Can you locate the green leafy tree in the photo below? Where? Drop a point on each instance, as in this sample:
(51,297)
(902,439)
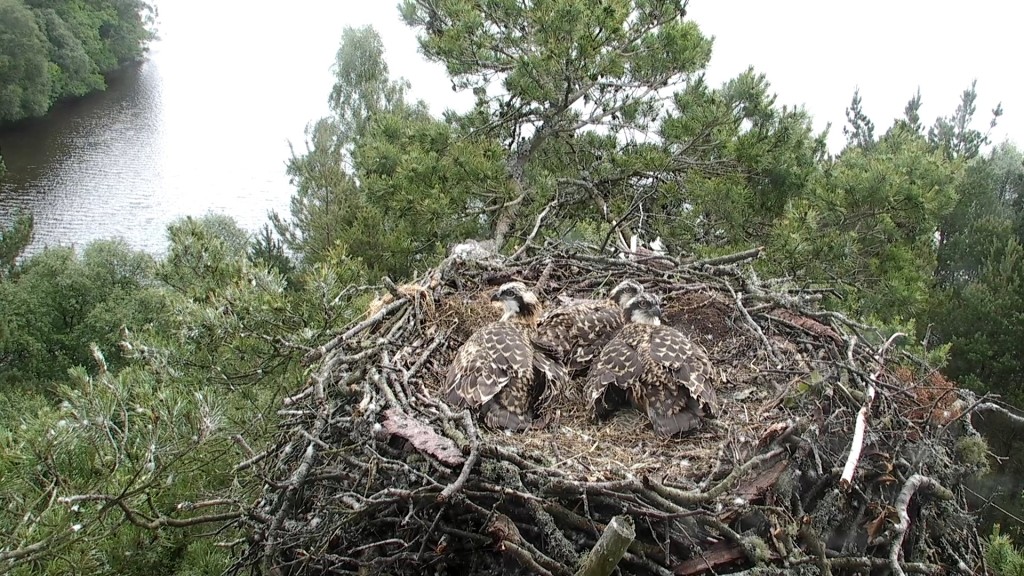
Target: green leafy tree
(868,223)
(13,241)
(608,126)
(129,467)
(978,302)
(912,113)
(954,135)
(1004,558)
(24,77)
(270,251)
(560,135)
(382,181)
(58,302)
(327,198)
(55,49)
(860,130)
(736,161)
(545,72)
(72,71)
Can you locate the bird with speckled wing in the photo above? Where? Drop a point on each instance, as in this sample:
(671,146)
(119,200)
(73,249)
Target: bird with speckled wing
(657,369)
(575,333)
(499,371)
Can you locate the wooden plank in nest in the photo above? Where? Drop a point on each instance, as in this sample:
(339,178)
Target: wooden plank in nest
(809,324)
(757,488)
(423,437)
(714,558)
(765,480)
(719,556)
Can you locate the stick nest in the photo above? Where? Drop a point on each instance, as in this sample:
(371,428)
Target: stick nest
(373,473)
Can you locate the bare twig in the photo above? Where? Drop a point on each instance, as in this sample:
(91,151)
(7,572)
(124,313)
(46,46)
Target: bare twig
(474,456)
(141,520)
(912,485)
(857,444)
(536,228)
(319,352)
(729,258)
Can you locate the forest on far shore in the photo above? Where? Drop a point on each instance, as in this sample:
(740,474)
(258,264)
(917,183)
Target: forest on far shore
(51,50)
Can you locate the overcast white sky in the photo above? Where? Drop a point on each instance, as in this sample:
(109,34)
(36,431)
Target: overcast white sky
(816,52)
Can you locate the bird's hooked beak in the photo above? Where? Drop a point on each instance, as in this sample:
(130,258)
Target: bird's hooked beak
(497,302)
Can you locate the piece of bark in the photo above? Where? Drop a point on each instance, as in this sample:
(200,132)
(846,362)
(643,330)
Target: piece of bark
(809,324)
(759,486)
(715,557)
(423,437)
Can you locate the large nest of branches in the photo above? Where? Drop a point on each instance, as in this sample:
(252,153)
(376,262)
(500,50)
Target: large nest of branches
(836,452)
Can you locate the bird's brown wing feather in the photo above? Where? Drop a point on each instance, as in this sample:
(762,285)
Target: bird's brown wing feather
(494,357)
(558,327)
(594,330)
(554,375)
(667,403)
(554,333)
(576,333)
(618,364)
(684,362)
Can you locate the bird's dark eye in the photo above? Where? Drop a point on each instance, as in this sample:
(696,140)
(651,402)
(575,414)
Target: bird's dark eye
(509,293)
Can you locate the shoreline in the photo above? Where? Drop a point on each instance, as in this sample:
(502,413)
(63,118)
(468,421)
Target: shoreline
(70,102)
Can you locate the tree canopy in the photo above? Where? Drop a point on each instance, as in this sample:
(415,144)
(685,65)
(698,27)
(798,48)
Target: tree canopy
(56,49)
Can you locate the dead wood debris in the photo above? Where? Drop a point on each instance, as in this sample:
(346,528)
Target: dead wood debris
(374,474)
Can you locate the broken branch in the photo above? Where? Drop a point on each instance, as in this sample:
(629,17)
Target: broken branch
(605,555)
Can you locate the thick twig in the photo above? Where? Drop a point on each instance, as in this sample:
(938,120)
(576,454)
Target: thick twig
(143,521)
(319,352)
(755,328)
(863,564)
(729,258)
(474,456)
(605,555)
(857,444)
(1016,419)
(912,485)
(698,497)
(25,552)
(536,228)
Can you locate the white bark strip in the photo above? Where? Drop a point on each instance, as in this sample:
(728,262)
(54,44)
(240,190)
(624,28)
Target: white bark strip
(912,485)
(846,480)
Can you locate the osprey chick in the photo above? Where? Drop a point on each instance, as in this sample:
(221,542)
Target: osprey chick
(499,371)
(576,333)
(662,372)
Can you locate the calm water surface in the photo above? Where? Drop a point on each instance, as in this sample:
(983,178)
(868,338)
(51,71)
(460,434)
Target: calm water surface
(203,124)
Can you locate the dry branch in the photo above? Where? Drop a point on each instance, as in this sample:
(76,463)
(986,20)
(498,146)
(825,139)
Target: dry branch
(911,486)
(373,472)
(608,551)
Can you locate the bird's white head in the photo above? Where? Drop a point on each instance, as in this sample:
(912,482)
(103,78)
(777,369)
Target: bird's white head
(517,301)
(625,291)
(644,308)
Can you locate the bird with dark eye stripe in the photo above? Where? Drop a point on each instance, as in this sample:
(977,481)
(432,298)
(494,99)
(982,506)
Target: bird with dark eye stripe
(576,332)
(657,369)
(499,371)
